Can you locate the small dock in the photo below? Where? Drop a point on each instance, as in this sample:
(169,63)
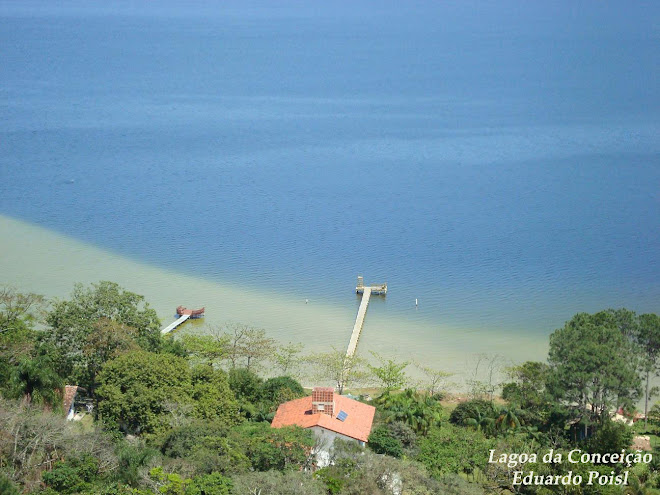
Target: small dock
(182,314)
(366,292)
(174,324)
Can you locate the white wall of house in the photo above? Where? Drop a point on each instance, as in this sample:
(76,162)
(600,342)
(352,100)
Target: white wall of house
(324,442)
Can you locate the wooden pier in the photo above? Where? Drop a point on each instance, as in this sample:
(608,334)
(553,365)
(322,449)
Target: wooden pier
(182,314)
(366,292)
(174,324)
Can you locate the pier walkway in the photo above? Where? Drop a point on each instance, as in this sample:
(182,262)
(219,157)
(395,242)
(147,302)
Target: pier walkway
(359,322)
(175,324)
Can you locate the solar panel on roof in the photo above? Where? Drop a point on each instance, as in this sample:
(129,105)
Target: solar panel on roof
(342,416)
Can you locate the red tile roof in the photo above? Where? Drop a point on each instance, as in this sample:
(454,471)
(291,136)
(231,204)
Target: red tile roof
(299,412)
(69,396)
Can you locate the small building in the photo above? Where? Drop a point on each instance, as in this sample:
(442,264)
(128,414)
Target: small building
(70,392)
(329,416)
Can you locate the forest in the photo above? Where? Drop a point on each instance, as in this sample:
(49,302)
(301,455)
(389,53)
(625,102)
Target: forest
(190,414)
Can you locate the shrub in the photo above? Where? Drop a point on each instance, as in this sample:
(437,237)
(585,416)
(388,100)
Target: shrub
(471,410)
(382,441)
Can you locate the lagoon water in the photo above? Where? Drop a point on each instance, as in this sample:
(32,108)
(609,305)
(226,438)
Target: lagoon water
(498,161)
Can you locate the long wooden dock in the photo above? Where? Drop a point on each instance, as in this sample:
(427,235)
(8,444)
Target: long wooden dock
(359,321)
(174,324)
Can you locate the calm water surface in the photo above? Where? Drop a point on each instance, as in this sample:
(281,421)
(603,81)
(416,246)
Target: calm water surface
(498,161)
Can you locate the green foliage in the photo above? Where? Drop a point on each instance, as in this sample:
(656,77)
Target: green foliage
(275,483)
(207,447)
(213,398)
(247,346)
(654,415)
(72,476)
(271,394)
(210,348)
(274,448)
(451,449)
(389,373)
(210,484)
(435,379)
(17,337)
(610,436)
(337,475)
(36,380)
(72,321)
(245,384)
(171,346)
(344,371)
(287,360)
(169,483)
(405,435)
(19,309)
(507,420)
(592,367)
(31,439)
(382,441)
(135,388)
(272,389)
(7,487)
(131,459)
(455,485)
(474,412)
(357,472)
(63,479)
(647,338)
(106,340)
(418,411)
(528,389)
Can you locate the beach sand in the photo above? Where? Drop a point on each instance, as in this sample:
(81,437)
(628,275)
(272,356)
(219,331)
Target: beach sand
(39,260)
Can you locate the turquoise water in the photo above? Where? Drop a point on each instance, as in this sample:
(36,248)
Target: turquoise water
(498,161)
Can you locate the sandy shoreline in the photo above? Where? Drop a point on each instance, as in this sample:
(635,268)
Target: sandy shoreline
(39,260)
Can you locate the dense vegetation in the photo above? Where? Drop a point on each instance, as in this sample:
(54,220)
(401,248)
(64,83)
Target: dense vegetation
(191,415)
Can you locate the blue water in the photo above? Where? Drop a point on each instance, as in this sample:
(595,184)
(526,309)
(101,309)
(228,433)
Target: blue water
(499,161)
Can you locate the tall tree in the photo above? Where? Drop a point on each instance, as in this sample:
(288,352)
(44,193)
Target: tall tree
(107,340)
(248,346)
(528,389)
(211,348)
(35,380)
(592,367)
(337,367)
(72,321)
(136,389)
(389,373)
(648,339)
(435,379)
(486,370)
(19,306)
(287,360)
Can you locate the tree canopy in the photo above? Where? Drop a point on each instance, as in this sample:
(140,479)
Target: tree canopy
(92,309)
(592,366)
(138,390)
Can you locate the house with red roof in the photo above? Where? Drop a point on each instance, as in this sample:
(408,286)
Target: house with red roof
(329,416)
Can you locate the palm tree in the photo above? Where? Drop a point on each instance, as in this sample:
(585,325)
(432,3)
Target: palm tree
(35,378)
(507,420)
(420,413)
(480,422)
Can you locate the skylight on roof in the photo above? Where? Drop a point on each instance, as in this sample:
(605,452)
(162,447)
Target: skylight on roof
(342,416)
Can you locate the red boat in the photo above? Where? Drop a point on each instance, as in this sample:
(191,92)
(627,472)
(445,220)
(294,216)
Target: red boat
(194,313)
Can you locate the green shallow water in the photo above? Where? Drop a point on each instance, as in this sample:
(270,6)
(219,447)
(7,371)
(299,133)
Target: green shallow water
(36,259)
